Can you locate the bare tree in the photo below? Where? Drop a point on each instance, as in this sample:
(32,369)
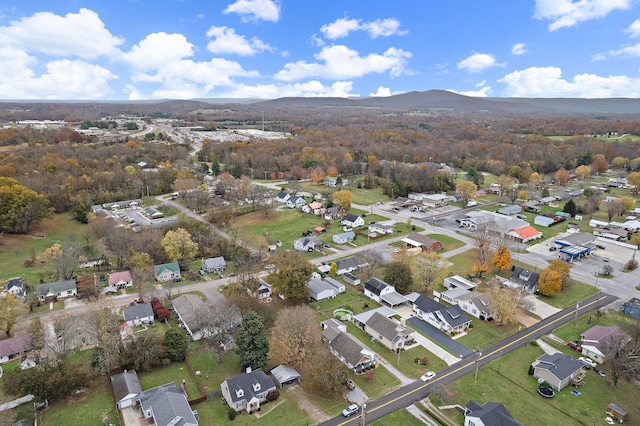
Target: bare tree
(374,260)
(217,321)
(622,356)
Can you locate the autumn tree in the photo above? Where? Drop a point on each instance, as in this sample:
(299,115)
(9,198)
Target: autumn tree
(506,183)
(295,337)
(466,190)
(535,180)
(583,172)
(633,179)
(483,244)
(600,163)
(614,208)
(343,198)
(398,274)
(563,269)
(293,271)
(619,163)
(373,261)
(107,353)
(430,268)
(215,322)
(20,207)
(561,177)
(140,265)
(179,246)
(507,303)
(502,258)
(628,203)
(251,342)
(550,282)
(325,374)
(10,310)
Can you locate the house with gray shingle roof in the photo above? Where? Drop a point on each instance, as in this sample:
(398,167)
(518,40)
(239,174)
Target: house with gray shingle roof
(59,289)
(14,346)
(138,314)
(558,369)
(390,333)
(126,386)
(348,350)
(451,319)
(248,390)
(213,264)
(488,414)
(167,405)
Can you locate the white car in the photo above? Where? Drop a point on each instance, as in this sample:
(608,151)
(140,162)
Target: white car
(351,410)
(589,363)
(429,375)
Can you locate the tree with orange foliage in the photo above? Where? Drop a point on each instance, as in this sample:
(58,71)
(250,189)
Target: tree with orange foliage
(550,282)
(343,198)
(502,258)
(561,177)
(600,164)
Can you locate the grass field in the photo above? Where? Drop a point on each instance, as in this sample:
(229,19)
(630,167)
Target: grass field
(399,417)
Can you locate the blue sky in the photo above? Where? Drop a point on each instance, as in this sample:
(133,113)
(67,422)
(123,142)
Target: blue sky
(186,49)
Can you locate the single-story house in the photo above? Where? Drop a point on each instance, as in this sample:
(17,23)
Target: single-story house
(167,272)
(380,228)
(13,346)
(128,204)
(213,265)
(15,287)
(138,314)
(352,220)
(423,242)
(349,264)
(314,207)
(594,341)
(558,369)
(450,319)
(488,414)
(285,375)
(348,349)
(388,332)
(167,405)
(295,202)
(524,234)
(361,319)
(188,308)
(615,234)
(152,213)
(59,289)
(417,196)
(126,387)
(337,285)
(319,290)
(309,243)
(436,200)
(547,200)
(543,221)
(456,281)
(344,238)
(630,308)
(263,291)
(510,210)
(248,390)
(382,292)
(349,278)
(120,280)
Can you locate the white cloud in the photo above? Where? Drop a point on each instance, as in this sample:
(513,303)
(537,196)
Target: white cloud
(634,29)
(227,41)
(379,28)
(340,62)
(81,34)
(381,92)
(569,13)
(548,82)
(627,51)
(518,49)
(255,10)
(478,62)
(482,93)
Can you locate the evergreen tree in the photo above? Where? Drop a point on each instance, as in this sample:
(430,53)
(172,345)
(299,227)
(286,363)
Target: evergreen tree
(570,207)
(252,342)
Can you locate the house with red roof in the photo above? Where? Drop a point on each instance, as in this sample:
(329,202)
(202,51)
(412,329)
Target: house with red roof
(525,234)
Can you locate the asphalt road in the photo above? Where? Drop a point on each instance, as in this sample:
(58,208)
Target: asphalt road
(416,391)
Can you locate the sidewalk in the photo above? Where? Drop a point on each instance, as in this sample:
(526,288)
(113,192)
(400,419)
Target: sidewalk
(404,380)
(12,404)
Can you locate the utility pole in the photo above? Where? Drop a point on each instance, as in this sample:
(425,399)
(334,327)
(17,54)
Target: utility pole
(475,377)
(364,407)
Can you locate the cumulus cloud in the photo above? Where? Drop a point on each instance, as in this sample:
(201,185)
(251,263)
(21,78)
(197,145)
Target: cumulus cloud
(340,62)
(255,10)
(81,34)
(518,49)
(478,62)
(381,92)
(227,41)
(379,28)
(548,82)
(634,29)
(569,13)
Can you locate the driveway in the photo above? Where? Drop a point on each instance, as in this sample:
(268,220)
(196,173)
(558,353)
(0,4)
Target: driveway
(540,308)
(442,339)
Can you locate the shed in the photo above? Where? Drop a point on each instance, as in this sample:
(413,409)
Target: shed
(543,221)
(616,412)
(285,375)
(351,279)
(631,308)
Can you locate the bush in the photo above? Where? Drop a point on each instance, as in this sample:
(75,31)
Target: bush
(272,395)
(28,263)
(231,413)
(424,361)
(368,375)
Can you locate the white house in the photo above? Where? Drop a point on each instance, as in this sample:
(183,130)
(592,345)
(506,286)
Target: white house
(488,414)
(344,238)
(350,264)
(320,290)
(436,200)
(248,390)
(450,319)
(126,386)
(456,281)
(282,197)
(314,207)
(120,279)
(213,264)
(138,314)
(352,220)
(380,228)
(295,202)
(382,292)
(337,285)
(309,243)
(59,289)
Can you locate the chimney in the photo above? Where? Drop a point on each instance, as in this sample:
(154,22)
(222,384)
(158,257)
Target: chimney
(248,370)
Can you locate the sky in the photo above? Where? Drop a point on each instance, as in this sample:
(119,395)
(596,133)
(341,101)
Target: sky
(267,49)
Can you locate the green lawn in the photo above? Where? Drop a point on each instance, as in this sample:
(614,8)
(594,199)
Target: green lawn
(577,291)
(448,243)
(486,333)
(399,417)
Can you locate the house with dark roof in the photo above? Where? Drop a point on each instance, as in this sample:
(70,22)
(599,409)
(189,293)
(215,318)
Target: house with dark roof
(15,287)
(167,272)
(558,370)
(152,213)
(388,332)
(166,405)
(120,280)
(295,202)
(262,291)
(382,292)
(126,387)
(13,346)
(450,319)
(138,314)
(523,279)
(282,197)
(488,414)
(595,340)
(213,264)
(348,349)
(309,243)
(59,289)
(349,264)
(632,307)
(335,212)
(352,220)
(248,390)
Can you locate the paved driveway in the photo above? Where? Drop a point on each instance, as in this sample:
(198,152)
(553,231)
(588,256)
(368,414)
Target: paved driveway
(440,337)
(540,308)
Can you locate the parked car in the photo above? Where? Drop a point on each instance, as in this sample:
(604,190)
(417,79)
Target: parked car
(429,375)
(587,362)
(351,410)
(575,345)
(606,259)
(601,373)
(553,248)
(521,216)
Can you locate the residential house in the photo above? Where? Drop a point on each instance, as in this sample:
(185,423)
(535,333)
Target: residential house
(167,272)
(476,304)
(337,285)
(282,197)
(361,319)
(128,204)
(352,220)
(166,405)
(59,289)
(333,182)
(598,223)
(315,208)
(295,202)
(344,238)
(285,374)
(510,210)
(382,292)
(422,242)
(524,234)
(349,264)
(213,265)
(309,243)
(16,287)
(248,390)
(12,346)
(188,308)
(543,221)
(126,387)
(120,280)
(138,314)
(319,290)
(595,340)
(417,196)
(456,281)
(548,201)
(349,278)
(615,234)
(348,349)
(436,200)
(152,213)
(631,308)
(488,414)
(524,279)
(558,370)
(379,228)
(263,291)
(335,212)
(450,319)
(388,332)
